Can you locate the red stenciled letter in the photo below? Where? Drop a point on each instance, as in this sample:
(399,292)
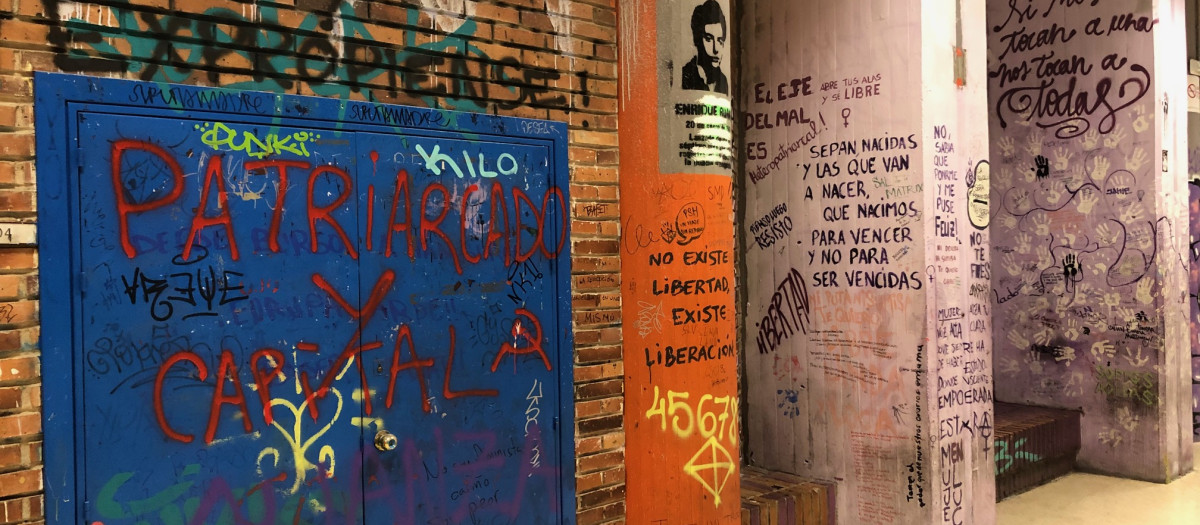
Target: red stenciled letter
(539,221)
(262,378)
(434,226)
(186,355)
(354,348)
(416,363)
(281,167)
(124,207)
(202,221)
(462,225)
(405,225)
(532,337)
(562,204)
(493,234)
(227,371)
(326,213)
(451,394)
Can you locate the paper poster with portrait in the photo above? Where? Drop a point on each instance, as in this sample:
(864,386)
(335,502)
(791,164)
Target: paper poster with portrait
(695,131)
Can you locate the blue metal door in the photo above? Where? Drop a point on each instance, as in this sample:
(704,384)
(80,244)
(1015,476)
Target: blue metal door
(464,238)
(294,313)
(219,299)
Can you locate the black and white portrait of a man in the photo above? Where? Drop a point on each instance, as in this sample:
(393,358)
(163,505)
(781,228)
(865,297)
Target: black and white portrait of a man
(703,71)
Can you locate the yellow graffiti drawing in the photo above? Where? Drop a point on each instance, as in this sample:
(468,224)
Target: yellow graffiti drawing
(300,445)
(686,420)
(714,474)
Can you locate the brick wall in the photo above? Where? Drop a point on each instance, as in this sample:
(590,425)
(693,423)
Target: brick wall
(548,59)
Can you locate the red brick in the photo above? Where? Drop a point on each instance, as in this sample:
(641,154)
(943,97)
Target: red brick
(10,399)
(16,145)
(598,372)
(602,496)
(15,173)
(20,31)
(598,515)
(17,259)
(595,281)
(18,312)
(8,59)
(597,264)
(600,461)
(594,174)
(594,247)
(22,509)
(601,424)
(9,340)
(596,408)
(17,201)
(588,482)
(18,369)
(596,210)
(597,354)
(36,60)
(8,115)
(20,482)
(17,425)
(10,455)
(16,87)
(599,389)
(10,286)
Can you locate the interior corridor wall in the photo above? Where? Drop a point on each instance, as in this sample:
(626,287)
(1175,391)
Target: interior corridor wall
(867,355)
(1089,211)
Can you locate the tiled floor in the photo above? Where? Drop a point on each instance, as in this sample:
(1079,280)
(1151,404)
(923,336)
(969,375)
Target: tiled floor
(1100,500)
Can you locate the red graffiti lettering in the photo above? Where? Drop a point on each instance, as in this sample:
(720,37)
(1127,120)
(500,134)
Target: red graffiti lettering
(124,207)
(404,335)
(262,378)
(403,226)
(201,220)
(227,373)
(354,348)
(532,336)
(325,213)
(434,226)
(451,394)
(281,167)
(159,412)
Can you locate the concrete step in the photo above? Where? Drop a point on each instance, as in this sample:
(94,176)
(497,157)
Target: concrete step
(1033,446)
(777,498)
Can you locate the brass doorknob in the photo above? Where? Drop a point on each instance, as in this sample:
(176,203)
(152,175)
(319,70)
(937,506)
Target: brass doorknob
(385,441)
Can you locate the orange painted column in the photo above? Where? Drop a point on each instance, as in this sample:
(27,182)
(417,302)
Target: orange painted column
(677,263)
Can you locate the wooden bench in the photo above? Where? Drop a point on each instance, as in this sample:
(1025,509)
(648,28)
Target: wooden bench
(776,498)
(1033,446)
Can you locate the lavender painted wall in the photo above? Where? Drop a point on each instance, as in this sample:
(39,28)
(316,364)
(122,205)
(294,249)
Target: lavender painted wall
(1088,215)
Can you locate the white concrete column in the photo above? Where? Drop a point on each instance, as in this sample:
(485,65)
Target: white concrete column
(867,321)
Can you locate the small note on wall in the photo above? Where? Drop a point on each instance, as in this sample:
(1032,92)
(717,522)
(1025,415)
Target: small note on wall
(18,234)
(1193,92)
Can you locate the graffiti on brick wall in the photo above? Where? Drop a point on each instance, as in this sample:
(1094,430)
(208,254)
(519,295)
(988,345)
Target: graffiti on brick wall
(335,49)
